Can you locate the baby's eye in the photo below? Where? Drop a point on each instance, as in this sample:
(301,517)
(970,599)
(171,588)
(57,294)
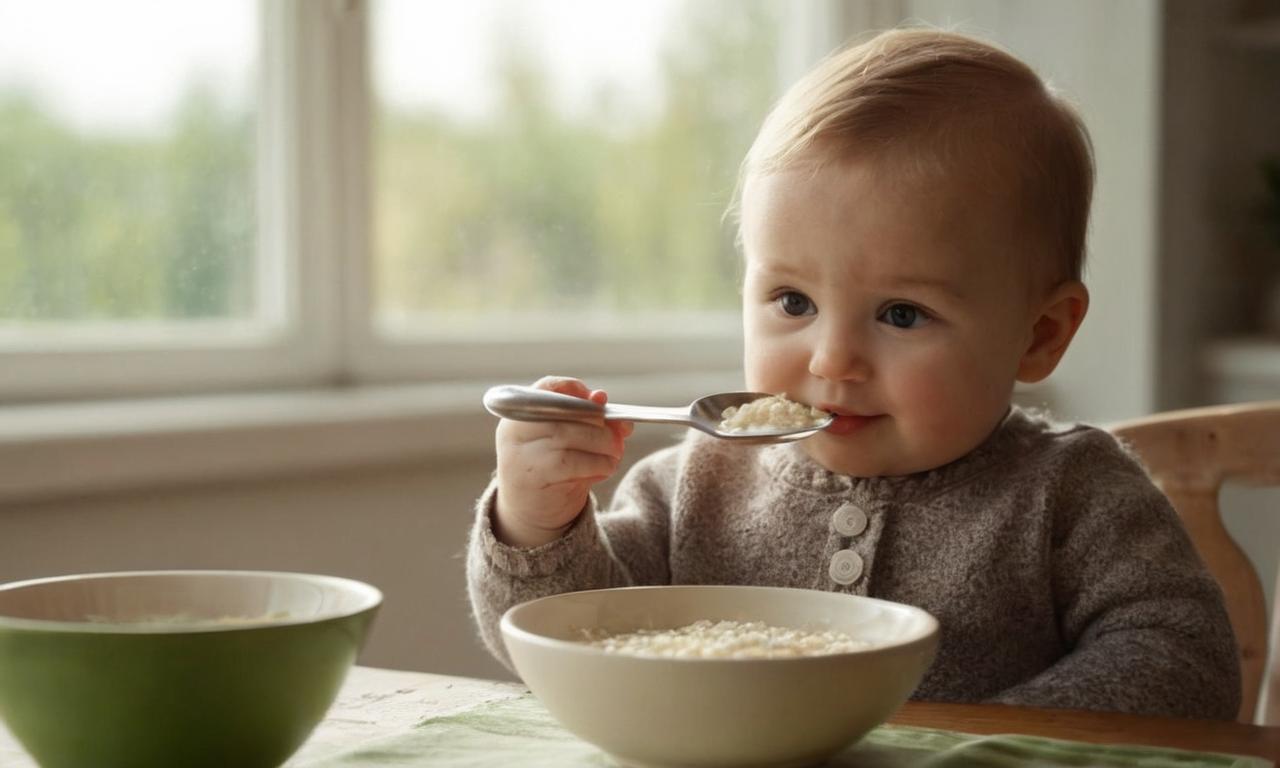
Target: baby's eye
(904,316)
(795,303)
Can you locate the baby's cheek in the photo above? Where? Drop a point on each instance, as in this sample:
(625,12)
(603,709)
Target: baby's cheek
(944,409)
(928,403)
(772,367)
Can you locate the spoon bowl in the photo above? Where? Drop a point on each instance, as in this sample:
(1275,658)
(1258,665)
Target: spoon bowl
(510,401)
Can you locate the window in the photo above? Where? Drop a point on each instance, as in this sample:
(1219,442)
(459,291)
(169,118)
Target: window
(127,182)
(243,194)
(141,200)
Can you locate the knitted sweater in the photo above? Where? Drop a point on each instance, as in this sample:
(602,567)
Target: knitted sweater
(1059,573)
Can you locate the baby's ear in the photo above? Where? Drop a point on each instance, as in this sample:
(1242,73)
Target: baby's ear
(1052,329)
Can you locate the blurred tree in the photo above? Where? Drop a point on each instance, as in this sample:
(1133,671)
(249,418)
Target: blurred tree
(541,210)
(100,227)
(210,224)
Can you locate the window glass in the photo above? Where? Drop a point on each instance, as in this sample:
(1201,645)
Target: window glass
(553,165)
(127,164)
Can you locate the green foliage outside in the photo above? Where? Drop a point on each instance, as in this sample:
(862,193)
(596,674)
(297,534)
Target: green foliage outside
(539,211)
(536,211)
(97,227)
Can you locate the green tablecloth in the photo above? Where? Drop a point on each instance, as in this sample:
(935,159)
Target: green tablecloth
(520,732)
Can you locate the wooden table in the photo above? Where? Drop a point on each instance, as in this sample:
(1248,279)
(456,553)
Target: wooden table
(377,702)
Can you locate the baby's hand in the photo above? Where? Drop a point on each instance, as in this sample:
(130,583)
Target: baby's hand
(547,468)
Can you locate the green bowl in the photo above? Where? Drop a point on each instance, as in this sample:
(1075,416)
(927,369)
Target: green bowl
(175,668)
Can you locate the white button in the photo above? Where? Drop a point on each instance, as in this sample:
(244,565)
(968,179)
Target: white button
(849,520)
(846,567)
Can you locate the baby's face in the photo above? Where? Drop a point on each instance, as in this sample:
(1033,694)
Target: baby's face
(905,309)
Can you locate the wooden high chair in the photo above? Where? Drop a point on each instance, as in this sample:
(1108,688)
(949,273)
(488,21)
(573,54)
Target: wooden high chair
(1189,453)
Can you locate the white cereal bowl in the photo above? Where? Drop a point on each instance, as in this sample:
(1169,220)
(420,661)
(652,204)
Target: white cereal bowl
(647,711)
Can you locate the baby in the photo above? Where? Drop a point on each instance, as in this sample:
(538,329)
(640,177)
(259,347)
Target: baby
(912,217)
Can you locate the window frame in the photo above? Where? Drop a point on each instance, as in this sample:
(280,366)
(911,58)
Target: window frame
(315,243)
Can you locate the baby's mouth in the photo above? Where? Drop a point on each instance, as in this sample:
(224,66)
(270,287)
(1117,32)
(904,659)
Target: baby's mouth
(846,423)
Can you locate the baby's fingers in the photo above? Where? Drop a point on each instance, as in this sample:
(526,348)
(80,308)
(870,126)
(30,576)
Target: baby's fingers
(565,385)
(570,466)
(621,429)
(559,436)
(535,469)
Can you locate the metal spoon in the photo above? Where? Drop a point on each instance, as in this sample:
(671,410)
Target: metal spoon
(511,401)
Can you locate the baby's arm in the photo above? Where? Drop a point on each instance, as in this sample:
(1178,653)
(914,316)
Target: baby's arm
(1146,621)
(623,547)
(500,576)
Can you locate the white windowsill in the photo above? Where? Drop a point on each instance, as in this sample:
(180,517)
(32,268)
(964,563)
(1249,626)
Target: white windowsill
(75,449)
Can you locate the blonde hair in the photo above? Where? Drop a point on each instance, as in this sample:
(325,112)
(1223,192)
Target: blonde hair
(931,100)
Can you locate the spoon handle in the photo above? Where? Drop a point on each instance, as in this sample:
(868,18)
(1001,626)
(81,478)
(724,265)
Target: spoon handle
(511,401)
(650,413)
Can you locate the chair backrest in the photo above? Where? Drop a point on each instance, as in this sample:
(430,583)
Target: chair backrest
(1189,453)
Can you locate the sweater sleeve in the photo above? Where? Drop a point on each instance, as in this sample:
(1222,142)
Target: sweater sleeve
(622,547)
(1145,621)
(500,576)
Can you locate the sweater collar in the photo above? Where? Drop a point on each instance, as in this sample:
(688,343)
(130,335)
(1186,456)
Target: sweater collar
(790,464)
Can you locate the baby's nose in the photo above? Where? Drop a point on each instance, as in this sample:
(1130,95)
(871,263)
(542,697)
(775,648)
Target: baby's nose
(839,355)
